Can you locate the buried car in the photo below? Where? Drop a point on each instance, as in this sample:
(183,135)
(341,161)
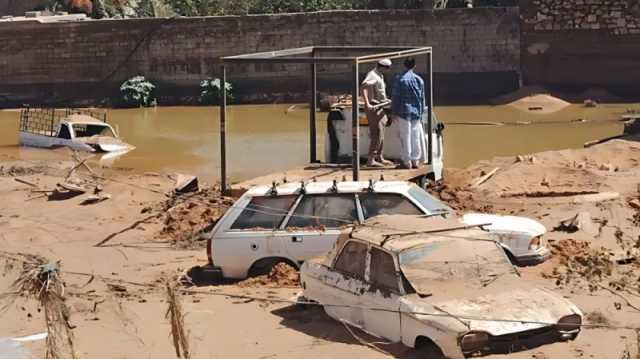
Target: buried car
(79,129)
(293,222)
(436,286)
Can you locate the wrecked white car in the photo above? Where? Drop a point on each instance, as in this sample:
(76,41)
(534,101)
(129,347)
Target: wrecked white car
(437,287)
(293,222)
(79,129)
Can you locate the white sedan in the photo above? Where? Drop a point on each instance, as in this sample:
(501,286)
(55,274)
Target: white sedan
(434,286)
(293,222)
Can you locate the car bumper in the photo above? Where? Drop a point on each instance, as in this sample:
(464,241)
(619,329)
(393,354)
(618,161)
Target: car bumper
(537,257)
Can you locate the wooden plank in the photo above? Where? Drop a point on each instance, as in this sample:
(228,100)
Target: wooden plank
(328,173)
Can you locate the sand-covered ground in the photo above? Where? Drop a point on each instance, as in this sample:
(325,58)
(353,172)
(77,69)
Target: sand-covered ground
(116,292)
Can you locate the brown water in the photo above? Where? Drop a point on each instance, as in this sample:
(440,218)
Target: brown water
(267,138)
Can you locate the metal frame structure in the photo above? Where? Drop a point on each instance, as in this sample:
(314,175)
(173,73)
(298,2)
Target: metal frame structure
(44,121)
(313,55)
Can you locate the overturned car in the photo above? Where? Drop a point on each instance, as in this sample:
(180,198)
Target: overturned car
(435,285)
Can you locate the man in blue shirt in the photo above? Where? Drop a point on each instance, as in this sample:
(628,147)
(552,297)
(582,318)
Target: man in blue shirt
(408,103)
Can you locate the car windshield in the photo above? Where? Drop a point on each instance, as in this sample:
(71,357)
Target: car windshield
(455,259)
(88,130)
(431,204)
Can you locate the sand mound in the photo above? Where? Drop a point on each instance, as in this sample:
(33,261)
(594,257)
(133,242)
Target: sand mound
(185,221)
(605,167)
(541,104)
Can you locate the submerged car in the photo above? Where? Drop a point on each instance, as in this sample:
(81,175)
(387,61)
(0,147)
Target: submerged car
(79,129)
(436,286)
(294,222)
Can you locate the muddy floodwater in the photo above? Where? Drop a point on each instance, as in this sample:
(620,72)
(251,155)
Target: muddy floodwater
(267,138)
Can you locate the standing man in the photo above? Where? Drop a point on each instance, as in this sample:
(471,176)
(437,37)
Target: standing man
(408,103)
(375,97)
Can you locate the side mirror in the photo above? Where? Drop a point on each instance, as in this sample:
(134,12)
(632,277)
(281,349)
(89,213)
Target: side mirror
(439,127)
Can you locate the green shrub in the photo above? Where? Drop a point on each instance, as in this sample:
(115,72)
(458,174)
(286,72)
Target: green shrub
(210,91)
(138,92)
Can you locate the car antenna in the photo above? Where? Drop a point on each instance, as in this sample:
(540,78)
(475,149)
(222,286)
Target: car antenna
(284,179)
(334,187)
(273,191)
(303,188)
(381,176)
(344,178)
(371,183)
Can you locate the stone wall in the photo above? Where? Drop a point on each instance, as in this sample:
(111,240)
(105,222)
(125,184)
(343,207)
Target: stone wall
(477,52)
(619,17)
(581,45)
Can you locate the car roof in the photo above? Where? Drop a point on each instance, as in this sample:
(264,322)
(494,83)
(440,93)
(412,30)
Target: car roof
(399,232)
(327,186)
(84,119)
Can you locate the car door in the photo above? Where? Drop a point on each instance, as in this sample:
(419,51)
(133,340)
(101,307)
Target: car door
(383,297)
(346,284)
(314,225)
(252,232)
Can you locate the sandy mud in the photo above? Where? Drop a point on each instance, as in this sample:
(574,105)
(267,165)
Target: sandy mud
(117,253)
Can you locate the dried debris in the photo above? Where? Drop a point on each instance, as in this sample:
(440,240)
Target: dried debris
(175,316)
(281,275)
(458,198)
(581,221)
(580,265)
(40,279)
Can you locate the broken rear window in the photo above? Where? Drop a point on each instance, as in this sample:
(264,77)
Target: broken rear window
(383,271)
(374,204)
(330,211)
(264,213)
(352,260)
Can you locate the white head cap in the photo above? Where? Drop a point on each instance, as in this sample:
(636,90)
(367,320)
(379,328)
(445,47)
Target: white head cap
(385,62)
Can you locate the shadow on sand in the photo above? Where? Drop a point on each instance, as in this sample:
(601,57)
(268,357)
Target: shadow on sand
(314,322)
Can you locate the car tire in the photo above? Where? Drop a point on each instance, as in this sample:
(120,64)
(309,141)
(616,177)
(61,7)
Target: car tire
(264,266)
(427,349)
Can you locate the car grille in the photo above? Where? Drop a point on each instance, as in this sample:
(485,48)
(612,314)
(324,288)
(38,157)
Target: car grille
(529,339)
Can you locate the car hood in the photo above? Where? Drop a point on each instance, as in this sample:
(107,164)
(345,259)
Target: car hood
(505,311)
(506,223)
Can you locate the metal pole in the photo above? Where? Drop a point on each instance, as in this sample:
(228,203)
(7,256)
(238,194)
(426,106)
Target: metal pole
(429,101)
(223,131)
(355,123)
(313,105)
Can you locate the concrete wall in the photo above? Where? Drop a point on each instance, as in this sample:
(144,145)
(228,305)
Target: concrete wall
(582,44)
(477,52)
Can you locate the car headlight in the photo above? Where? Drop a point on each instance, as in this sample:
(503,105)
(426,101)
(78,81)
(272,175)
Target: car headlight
(570,323)
(474,341)
(535,243)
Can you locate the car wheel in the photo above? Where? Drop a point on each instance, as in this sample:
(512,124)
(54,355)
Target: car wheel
(264,266)
(427,349)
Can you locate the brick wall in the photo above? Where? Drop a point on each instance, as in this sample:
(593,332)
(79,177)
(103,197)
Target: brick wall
(18,7)
(69,60)
(582,44)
